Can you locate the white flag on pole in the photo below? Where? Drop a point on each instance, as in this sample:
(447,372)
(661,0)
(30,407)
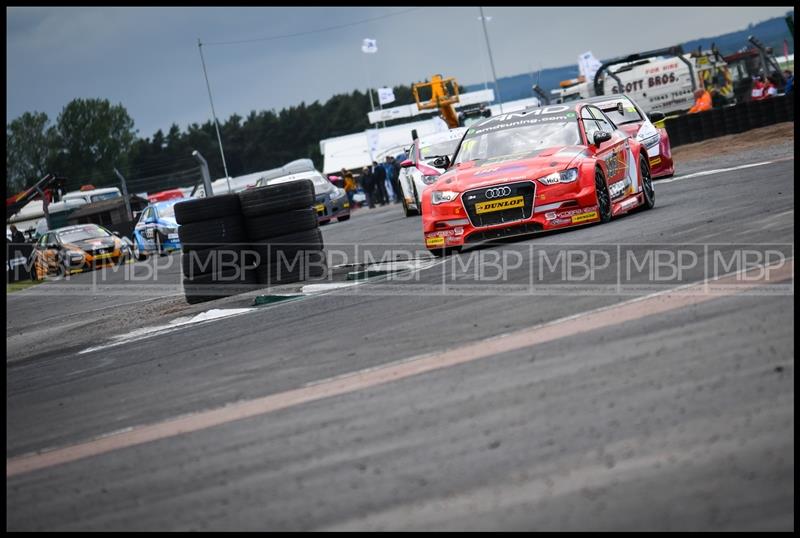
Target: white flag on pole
(385,96)
(370,46)
(373,140)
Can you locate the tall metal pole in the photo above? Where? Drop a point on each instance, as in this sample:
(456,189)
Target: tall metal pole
(125,194)
(207,190)
(491,60)
(483,65)
(214,114)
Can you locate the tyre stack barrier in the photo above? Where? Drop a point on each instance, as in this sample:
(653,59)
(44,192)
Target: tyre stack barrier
(213,238)
(690,128)
(283,230)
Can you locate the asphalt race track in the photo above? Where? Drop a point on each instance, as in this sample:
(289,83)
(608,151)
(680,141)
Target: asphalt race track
(467,412)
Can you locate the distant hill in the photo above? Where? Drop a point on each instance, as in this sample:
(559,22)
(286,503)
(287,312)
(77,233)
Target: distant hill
(771,32)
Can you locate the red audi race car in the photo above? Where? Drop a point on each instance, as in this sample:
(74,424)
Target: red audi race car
(629,117)
(539,169)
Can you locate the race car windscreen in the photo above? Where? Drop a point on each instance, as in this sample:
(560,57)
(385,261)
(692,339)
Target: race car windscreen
(80,234)
(438,149)
(166,211)
(506,139)
(627,113)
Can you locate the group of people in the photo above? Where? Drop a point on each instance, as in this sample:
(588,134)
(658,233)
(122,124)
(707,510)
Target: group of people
(763,88)
(380,183)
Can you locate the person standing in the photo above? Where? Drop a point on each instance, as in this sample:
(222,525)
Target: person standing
(789,88)
(387,166)
(379,177)
(396,178)
(349,185)
(368,185)
(17,237)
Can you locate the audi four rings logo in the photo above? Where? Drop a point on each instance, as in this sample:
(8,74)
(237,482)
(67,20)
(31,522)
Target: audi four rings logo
(497,192)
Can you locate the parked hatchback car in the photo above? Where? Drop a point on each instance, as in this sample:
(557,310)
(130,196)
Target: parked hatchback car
(330,201)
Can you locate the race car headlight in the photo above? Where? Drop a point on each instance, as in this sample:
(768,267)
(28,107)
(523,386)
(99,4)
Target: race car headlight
(567,176)
(429,180)
(338,193)
(439,197)
(651,141)
(168,230)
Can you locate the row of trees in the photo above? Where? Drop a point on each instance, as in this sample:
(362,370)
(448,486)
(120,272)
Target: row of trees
(91,137)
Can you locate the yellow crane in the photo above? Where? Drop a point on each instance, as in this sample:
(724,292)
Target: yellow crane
(444,94)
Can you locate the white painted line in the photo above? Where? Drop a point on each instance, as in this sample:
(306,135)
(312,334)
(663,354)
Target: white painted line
(179,323)
(319,288)
(716,171)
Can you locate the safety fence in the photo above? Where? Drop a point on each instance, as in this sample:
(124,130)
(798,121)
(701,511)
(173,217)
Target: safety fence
(691,128)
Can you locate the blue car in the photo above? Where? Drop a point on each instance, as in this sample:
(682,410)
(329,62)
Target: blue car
(156,232)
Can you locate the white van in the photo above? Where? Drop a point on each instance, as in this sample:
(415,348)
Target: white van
(659,83)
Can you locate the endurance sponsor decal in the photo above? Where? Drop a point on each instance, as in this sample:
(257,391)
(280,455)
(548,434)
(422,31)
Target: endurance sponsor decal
(558,113)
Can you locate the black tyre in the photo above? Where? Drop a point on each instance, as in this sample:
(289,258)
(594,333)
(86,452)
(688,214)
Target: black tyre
(407,210)
(273,199)
(211,233)
(289,245)
(647,184)
(416,200)
(210,260)
(343,218)
(159,244)
(299,271)
(603,198)
(137,254)
(200,209)
(281,223)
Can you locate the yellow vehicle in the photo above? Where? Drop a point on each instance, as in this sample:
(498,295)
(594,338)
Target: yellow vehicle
(444,94)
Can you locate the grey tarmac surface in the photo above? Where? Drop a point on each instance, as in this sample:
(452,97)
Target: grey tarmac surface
(681,420)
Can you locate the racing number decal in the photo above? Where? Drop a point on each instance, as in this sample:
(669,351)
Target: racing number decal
(615,163)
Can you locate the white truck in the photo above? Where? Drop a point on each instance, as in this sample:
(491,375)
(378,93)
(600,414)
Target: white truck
(662,80)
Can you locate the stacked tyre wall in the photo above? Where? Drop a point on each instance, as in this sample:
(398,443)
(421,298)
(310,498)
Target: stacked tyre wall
(691,128)
(283,231)
(212,236)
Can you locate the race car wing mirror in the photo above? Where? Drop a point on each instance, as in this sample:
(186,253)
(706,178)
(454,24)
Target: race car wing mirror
(406,163)
(656,116)
(441,162)
(599,137)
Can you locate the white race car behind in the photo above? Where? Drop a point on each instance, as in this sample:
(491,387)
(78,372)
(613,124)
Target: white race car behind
(417,173)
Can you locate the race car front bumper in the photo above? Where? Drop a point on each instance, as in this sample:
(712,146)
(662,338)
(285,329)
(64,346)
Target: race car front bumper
(328,209)
(541,208)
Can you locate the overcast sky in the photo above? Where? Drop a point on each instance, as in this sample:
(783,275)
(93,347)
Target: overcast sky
(147,58)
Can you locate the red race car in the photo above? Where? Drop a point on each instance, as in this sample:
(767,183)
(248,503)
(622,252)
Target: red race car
(629,117)
(539,169)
